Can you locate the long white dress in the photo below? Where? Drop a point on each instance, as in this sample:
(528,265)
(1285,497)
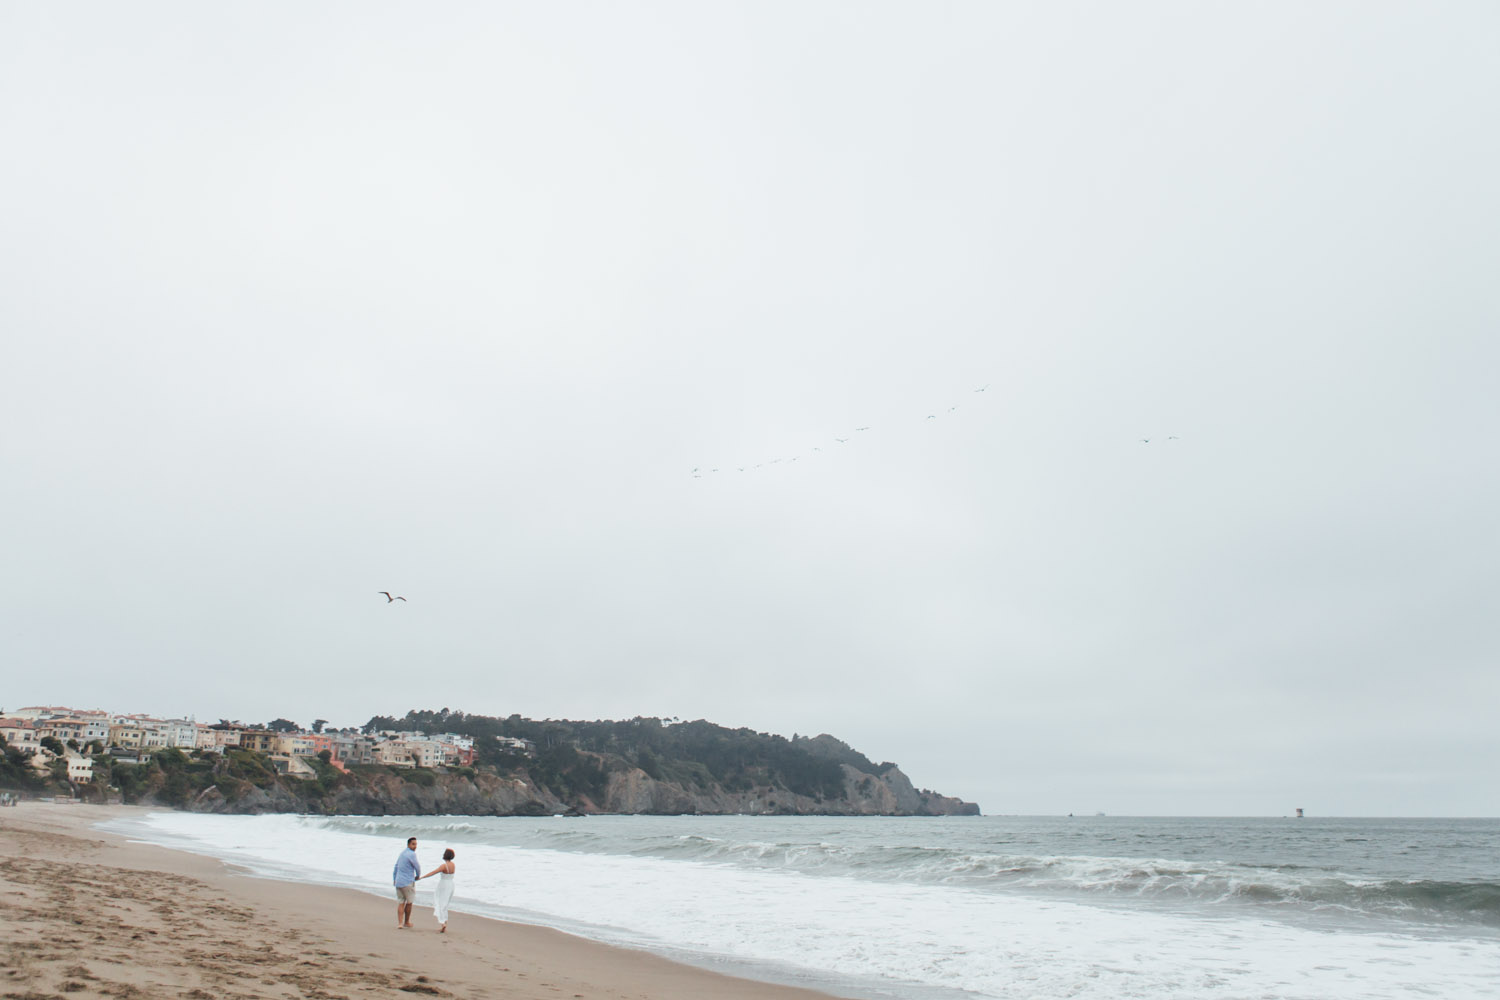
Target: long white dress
(444,897)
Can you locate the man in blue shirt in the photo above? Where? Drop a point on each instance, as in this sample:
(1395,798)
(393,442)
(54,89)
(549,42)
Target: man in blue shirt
(405,877)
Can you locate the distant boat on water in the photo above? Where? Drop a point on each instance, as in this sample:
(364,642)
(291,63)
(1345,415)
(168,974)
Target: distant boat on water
(1299,812)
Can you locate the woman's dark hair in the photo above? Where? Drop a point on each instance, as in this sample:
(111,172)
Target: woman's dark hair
(448,854)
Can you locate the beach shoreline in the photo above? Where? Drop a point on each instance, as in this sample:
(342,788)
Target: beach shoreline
(95,913)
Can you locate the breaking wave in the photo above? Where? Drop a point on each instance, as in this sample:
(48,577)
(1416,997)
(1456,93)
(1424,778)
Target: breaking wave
(1284,886)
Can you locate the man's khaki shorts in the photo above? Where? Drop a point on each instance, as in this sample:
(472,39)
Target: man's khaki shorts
(406,894)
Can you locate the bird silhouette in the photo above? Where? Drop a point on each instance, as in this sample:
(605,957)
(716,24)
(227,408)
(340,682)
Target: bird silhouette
(388,598)
(841,440)
(1145,440)
(861,428)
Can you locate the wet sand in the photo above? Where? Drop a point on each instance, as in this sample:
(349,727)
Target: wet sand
(91,915)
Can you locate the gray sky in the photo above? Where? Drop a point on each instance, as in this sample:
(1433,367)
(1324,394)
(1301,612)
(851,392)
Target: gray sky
(303,303)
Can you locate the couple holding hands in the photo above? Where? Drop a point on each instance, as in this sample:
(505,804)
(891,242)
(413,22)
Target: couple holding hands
(408,874)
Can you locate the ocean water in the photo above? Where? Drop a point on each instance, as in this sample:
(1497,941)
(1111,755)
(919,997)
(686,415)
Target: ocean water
(1098,908)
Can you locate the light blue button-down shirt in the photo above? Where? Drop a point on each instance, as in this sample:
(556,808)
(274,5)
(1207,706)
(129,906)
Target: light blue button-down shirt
(407,869)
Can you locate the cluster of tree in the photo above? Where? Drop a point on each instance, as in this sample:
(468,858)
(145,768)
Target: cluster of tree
(275,725)
(183,776)
(695,754)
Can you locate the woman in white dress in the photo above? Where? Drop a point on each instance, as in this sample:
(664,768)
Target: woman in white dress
(444,893)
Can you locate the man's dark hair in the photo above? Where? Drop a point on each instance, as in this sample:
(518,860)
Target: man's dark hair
(409,841)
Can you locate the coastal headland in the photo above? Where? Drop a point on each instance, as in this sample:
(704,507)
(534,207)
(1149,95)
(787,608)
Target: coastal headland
(446,762)
(93,914)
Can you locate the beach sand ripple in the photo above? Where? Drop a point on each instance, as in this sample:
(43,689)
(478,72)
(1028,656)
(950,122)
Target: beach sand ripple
(99,916)
(108,931)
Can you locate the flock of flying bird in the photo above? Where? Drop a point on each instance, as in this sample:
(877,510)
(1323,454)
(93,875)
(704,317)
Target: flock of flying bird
(698,472)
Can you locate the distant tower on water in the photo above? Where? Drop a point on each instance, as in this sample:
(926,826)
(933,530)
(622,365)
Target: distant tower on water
(1299,813)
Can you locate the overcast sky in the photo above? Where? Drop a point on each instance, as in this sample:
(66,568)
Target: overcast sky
(305,302)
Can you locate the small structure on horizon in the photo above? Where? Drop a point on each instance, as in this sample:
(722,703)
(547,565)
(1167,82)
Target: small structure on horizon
(1299,812)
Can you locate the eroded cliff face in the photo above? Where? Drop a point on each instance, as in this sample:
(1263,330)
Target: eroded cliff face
(628,790)
(889,794)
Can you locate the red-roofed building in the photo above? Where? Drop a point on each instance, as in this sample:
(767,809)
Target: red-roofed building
(20,733)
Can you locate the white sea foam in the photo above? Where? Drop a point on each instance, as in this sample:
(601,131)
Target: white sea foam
(862,936)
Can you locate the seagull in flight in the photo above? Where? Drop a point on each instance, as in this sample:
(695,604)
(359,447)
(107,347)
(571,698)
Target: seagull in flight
(388,598)
(861,428)
(841,440)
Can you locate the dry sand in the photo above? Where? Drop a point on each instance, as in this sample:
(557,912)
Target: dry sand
(88,914)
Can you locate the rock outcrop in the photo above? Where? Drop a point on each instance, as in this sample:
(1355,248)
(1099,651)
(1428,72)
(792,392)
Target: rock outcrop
(887,794)
(628,790)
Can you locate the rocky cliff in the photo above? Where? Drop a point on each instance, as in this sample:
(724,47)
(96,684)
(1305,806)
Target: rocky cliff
(888,794)
(526,768)
(628,790)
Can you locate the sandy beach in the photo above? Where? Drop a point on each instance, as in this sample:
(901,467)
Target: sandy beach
(91,914)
